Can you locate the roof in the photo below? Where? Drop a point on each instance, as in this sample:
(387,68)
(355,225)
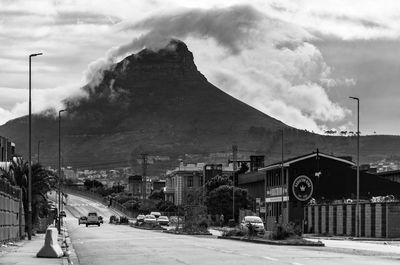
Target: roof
(288,162)
(251,177)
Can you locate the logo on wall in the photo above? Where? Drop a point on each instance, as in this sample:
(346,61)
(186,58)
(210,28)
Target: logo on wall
(302,188)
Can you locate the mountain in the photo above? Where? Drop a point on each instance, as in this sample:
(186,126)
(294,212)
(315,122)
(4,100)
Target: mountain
(160,104)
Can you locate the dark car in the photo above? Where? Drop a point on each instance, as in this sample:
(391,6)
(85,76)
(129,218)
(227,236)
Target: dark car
(63,214)
(82,220)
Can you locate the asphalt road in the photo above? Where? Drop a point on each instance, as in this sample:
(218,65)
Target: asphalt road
(120,244)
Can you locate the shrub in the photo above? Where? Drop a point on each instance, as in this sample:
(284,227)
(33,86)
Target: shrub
(234,232)
(123,220)
(203,223)
(281,232)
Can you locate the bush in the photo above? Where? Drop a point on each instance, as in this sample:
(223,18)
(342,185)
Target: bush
(281,232)
(124,220)
(234,232)
(203,223)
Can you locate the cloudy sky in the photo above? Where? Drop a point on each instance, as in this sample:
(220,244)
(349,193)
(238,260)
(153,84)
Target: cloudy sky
(297,61)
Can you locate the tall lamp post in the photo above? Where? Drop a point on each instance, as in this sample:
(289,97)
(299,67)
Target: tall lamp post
(38,151)
(59,171)
(358,168)
(30,152)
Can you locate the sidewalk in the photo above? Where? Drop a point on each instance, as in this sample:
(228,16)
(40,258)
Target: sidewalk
(24,253)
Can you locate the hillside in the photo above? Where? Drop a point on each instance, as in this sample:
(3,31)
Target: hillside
(160,104)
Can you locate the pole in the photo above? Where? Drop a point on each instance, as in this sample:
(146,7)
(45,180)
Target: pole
(30,157)
(358,169)
(59,172)
(144,168)
(30,151)
(234,158)
(282,180)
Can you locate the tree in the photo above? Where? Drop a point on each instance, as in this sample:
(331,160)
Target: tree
(157,195)
(91,184)
(42,182)
(217,181)
(219,200)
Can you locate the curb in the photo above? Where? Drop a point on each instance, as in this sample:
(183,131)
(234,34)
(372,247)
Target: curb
(257,241)
(70,257)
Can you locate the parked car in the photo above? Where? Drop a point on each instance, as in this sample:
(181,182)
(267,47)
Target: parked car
(63,214)
(255,221)
(82,220)
(156,214)
(163,220)
(92,219)
(140,218)
(150,219)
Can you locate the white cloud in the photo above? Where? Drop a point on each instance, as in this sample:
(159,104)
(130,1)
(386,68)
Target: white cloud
(263,56)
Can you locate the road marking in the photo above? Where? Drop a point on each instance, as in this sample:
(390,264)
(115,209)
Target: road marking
(269,258)
(296,263)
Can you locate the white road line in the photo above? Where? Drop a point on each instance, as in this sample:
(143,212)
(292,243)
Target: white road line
(269,258)
(295,263)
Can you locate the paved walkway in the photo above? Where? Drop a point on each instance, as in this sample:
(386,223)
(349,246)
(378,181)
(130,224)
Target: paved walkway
(24,253)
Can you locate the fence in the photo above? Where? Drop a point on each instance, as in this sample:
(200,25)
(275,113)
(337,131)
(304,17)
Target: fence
(376,219)
(12,218)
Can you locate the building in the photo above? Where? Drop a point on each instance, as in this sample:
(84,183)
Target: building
(324,178)
(7,149)
(137,188)
(158,184)
(185,179)
(393,175)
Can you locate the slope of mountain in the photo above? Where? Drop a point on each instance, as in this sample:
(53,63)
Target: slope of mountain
(159,103)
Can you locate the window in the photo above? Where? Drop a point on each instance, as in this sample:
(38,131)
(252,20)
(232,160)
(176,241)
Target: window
(190,181)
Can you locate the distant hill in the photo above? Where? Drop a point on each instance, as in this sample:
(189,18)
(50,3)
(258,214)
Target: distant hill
(160,104)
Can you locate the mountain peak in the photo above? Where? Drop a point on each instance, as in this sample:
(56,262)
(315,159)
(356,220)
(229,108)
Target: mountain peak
(174,61)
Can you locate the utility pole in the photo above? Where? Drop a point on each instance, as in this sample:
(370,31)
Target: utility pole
(144,168)
(282,173)
(234,158)
(358,228)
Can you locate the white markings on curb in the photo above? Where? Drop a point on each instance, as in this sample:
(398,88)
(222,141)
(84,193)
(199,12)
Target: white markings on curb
(269,258)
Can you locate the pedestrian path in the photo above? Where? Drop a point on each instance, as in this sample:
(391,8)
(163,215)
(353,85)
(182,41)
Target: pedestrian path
(24,253)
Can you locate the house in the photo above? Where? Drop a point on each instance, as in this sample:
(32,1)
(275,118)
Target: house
(284,189)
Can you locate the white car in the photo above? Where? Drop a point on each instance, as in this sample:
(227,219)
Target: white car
(150,219)
(163,220)
(92,219)
(156,214)
(253,220)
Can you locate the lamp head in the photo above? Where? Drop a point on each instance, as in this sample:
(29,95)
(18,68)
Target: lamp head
(35,54)
(354,98)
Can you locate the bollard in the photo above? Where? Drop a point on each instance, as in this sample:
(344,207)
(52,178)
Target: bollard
(51,248)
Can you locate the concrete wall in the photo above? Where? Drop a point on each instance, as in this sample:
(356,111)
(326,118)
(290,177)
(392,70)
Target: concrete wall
(12,218)
(376,219)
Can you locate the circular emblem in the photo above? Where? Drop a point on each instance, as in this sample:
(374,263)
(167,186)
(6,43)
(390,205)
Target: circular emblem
(302,188)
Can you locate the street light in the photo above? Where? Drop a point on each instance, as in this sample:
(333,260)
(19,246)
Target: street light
(59,171)
(358,167)
(40,141)
(30,152)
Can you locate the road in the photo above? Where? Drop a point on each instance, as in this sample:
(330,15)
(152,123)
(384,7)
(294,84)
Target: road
(120,244)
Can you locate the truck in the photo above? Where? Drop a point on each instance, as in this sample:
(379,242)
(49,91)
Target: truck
(92,219)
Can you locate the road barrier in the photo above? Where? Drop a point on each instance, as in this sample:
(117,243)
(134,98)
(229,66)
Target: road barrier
(51,248)
(12,217)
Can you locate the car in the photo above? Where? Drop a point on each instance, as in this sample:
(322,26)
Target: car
(92,219)
(156,214)
(82,220)
(101,219)
(163,220)
(150,219)
(63,214)
(255,221)
(140,218)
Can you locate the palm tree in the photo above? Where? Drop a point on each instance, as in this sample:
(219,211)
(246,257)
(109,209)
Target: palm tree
(42,182)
